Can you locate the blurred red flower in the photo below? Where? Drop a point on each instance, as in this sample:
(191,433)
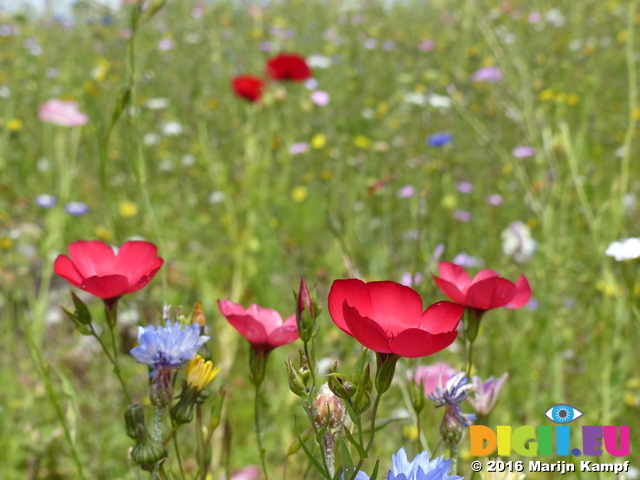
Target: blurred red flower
(248,87)
(487,290)
(263,327)
(387,318)
(97,269)
(288,67)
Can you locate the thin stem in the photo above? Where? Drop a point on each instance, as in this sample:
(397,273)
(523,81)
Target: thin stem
(453,454)
(178,456)
(114,362)
(372,430)
(311,363)
(200,441)
(256,412)
(469,359)
(157,436)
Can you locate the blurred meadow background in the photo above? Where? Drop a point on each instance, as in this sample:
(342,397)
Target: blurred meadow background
(503,132)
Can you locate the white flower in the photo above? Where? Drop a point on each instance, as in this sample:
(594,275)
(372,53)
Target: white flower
(517,242)
(171,128)
(415,98)
(319,61)
(627,249)
(439,101)
(157,103)
(151,139)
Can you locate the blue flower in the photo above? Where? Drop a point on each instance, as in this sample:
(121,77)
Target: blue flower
(77,209)
(168,348)
(421,468)
(439,139)
(451,395)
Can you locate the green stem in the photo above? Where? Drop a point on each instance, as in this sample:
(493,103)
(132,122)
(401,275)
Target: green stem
(469,359)
(200,441)
(157,436)
(114,362)
(259,429)
(453,454)
(372,430)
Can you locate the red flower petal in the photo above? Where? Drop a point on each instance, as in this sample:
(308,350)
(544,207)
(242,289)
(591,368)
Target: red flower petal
(395,306)
(455,274)
(142,282)
(493,292)
(284,334)
(357,293)
(415,343)
(269,319)
(523,293)
(365,330)
(92,258)
(248,87)
(108,286)
(450,290)
(64,267)
(136,260)
(244,323)
(288,67)
(442,317)
(483,275)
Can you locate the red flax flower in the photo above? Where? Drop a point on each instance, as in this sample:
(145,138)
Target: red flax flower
(487,290)
(288,67)
(248,87)
(387,318)
(95,268)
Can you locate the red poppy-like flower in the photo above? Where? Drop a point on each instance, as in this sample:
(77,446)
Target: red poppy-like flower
(248,87)
(263,327)
(487,290)
(288,67)
(97,269)
(387,317)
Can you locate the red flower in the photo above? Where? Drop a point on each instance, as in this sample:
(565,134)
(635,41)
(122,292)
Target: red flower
(263,327)
(95,268)
(387,318)
(288,67)
(248,87)
(486,291)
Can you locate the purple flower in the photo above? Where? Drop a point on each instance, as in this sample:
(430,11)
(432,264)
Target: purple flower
(486,394)
(467,261)
(320,98)
(51,73)
(409,280)
(311,83)
(265,46)
(488,74)
(370,43)
(46,201)
(77,209)
(451,395)
(406,192)
(532,304)
(300,147)
(439,139)
(426,45)
(534,17)
(523,152)
(166,44)
(389,45)
(495,199)
(465,187)
(462,215)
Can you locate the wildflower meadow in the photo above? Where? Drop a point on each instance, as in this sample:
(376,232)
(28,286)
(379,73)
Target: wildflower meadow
(320,239)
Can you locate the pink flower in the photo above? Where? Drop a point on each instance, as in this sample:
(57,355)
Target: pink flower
(320,98)
(488,74)
(65,114)
(486,394)
(432,376)
(247,473)
(262,327)
(426,45)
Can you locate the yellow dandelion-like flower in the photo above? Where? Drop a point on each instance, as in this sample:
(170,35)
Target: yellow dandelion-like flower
(319,140)
(14,125)
(573,100)
(546,94)
(5,243)
(362,142)
(300,193)
(102,233)
(127,209)
(200,373)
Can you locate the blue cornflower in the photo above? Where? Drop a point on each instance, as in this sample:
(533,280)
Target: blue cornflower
(168,348)
(451,395)
(77,209)
(421,468)
(439,139)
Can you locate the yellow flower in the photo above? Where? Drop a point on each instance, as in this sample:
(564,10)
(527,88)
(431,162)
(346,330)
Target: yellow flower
(127,209)
(326,174)
(319,141)
(362,142)
(102,233)
(546,94)
(410,432)
(300,193)
(14,125)
(200,373)
(5,243)
(449,201)
(573,100)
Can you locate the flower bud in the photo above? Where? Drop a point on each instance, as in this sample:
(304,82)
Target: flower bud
(134,419)
(305,318)
(451,430)
(339,384)
(82,312)
(148,452)
(182,412)
(161,391)
(361,400)
(82,327)
(296,382)
(416,392)
(328,406)
(257,365)
(197,316)
(386,363)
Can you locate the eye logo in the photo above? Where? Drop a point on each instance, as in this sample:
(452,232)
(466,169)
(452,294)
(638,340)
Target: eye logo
(563,413)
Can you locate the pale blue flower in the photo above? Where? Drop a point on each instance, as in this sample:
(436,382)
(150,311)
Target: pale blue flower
(450,396)
(421,468)
(168,347)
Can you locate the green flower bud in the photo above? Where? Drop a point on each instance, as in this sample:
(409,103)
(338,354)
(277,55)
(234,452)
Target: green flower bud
(296,381)
(416,392)
(182,412)
(134,419)
(161,391)
(386,369)
(148,452)
(340,385)
(82,327)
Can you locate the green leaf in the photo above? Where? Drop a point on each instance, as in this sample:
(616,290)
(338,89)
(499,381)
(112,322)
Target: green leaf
(310,456)
(361,451)
(374,474)
(347,461)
